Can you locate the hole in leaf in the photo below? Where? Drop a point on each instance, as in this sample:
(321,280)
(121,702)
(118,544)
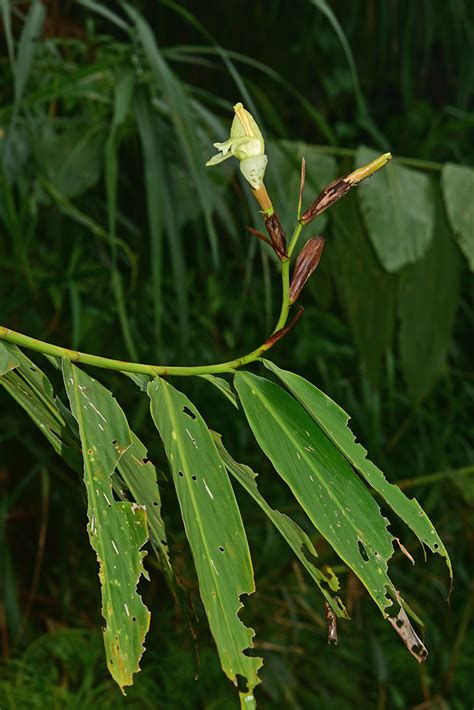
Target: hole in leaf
(194,478)
(363,551)
(187,411)
(221,548)
(240,681)
(33,369)
(163,542)
(133,618)
(180,473)
(436,546)
(155,503)
(145,460)
(114,442)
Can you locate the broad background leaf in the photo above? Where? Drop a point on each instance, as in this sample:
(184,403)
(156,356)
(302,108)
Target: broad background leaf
(429,294)
(457,182)
(398,208)
(366,291)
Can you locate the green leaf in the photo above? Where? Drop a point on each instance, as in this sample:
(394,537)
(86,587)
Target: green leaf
(27,47)
(8,358)
(223,386)
(366,291)
(398,209)
(334,422)
(457,182)
(70,154)
(213,526)
(334,498)
(117,530)
(296,538)
(161,215)
(428,300)
(181,115)
(32,390)
(139,475)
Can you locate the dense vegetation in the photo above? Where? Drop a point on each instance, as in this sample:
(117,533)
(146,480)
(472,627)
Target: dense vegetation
(93,140)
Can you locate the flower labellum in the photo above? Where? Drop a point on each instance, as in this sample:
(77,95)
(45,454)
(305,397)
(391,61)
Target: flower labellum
(247,145)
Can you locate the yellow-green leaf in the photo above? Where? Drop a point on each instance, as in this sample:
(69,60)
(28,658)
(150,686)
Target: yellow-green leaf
(213,527)
(117,530)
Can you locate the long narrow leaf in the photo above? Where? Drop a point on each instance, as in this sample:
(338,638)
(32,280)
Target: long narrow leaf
(139,475)
(213,527)
(296,538)
(334,422)
(122,100)
(161,216)
(32,390)
(180,112)
(334,498)
(117,531)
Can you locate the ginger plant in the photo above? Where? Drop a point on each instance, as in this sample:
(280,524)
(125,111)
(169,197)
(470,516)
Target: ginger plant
(301,430)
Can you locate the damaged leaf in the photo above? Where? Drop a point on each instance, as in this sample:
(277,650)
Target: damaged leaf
(32,390)
(117,530)
(8,359)
(337,502)
(139,476)
(296,538)
(402,625)
(213,527)
(334,422)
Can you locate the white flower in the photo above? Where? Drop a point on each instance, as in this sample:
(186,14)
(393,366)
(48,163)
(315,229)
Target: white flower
(247,145)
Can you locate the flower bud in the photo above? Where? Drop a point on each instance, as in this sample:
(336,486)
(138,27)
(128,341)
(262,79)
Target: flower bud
(247,145)
(306,263)
(339,187)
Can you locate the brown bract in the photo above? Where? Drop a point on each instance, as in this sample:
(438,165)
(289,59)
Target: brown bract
(277,235)
(328,197)
(306,263)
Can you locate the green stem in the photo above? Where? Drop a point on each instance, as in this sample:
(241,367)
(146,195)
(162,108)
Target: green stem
(285,280)
(154,370)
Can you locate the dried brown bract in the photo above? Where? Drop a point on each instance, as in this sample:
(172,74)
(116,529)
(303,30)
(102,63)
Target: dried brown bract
(306,263)
(277,235)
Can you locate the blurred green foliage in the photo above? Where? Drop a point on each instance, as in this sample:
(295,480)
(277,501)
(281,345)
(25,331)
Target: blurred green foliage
(116,240)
